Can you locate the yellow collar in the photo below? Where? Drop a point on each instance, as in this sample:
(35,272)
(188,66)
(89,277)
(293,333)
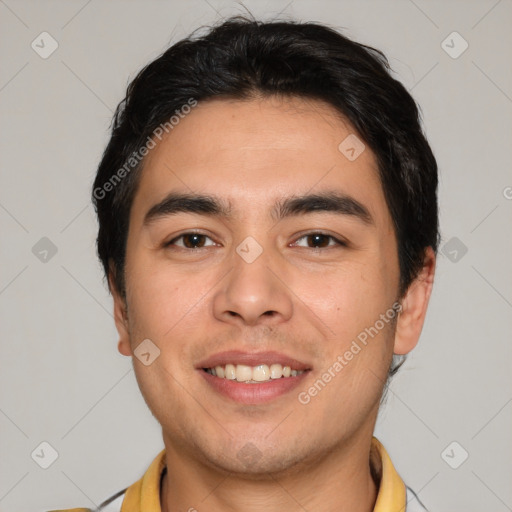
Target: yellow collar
(144,495)
(392,492)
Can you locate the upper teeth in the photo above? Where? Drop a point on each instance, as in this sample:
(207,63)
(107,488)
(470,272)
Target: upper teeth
(259,373)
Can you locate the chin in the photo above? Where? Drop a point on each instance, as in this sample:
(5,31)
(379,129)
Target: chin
(256,462)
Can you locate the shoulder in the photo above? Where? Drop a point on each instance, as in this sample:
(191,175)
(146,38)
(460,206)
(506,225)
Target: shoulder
(112,504)
(149,485)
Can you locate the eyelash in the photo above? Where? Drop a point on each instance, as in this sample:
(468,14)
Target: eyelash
(339,242)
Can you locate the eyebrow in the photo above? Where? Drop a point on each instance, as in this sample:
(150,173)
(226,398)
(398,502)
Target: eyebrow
(329,201)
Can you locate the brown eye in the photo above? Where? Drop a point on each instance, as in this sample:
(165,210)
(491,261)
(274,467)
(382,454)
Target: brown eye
(319,241)
(190,241)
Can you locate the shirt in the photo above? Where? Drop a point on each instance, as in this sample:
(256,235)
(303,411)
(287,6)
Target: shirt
(144,495)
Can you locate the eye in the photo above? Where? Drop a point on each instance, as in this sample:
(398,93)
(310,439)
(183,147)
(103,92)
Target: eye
(319,240)
(190,241)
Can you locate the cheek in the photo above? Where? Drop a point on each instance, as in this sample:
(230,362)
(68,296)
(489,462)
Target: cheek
(346,298)
(160,296)
(350,301)
(161,385)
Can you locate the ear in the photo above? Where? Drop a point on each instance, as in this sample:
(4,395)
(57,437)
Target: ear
(120,316)
(414,306)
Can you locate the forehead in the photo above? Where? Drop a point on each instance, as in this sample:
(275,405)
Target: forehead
(253,152)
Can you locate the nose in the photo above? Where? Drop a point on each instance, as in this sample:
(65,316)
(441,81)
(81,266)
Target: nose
(254,292)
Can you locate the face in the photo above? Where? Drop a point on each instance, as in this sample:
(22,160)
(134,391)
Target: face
(246,277)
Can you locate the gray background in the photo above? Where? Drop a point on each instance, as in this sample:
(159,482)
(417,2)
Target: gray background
(62,380)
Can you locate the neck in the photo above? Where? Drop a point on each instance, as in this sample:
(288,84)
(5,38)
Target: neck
(340,481)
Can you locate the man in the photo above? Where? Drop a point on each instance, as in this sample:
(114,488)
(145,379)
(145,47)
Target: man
(268,225)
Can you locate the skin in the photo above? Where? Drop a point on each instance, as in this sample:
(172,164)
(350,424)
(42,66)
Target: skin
(307,302)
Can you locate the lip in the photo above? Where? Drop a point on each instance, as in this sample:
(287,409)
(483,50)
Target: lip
(252,359)
(253,394)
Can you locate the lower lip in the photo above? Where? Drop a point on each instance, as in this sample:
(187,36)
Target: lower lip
(253,393)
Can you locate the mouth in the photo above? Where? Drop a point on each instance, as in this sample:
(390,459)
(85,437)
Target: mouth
(253,374)
(252,378)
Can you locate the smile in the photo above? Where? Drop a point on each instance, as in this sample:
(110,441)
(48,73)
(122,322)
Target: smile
(253,374)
